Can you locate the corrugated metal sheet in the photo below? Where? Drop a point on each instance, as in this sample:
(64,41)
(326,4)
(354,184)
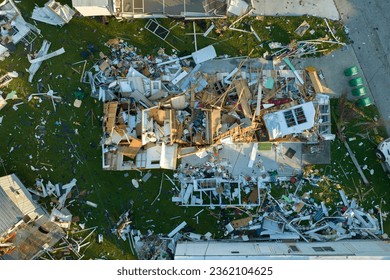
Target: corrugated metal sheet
(9,213)
(15,202)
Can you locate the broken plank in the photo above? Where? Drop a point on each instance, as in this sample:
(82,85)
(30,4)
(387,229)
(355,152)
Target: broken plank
(47,56)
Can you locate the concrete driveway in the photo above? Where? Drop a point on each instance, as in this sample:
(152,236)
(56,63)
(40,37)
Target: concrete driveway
(333,66)
(323,8)
(368,22)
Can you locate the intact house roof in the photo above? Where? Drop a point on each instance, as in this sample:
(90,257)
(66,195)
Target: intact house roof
(23,222)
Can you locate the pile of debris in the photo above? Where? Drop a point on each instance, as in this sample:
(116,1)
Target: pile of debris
(53,13)
(14,29)
(71,247)
(294,217)
(60,213)
(145,247)
(162,108)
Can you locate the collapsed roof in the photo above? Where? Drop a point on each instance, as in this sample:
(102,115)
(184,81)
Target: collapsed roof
(23,223)
(53,13)
(162,108)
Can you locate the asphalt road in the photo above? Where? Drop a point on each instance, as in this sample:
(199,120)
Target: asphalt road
(368,22)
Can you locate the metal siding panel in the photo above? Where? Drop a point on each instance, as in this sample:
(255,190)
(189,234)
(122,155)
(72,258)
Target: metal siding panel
(9,213)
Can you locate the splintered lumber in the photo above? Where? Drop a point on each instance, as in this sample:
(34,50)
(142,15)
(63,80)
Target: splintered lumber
(215,122)
(245,94)
(110,112)
(5,80)
(47,56)
(221,99)
(131,150)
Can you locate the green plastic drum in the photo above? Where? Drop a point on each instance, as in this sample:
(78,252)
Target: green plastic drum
(356,82)
(364,102)
(351,71)
(359,91)
(79,94)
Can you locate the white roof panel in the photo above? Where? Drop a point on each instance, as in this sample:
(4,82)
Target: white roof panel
(204,54)
(15,202)
(278,126)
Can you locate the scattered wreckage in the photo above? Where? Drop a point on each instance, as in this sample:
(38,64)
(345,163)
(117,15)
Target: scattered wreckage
(160,109)
(53,13)
(298,219)
(219,124)
(26,229)
(235,132)
(383,154)
(14,28)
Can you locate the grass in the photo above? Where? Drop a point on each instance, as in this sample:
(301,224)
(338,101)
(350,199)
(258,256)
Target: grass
(342,174)
(54,153)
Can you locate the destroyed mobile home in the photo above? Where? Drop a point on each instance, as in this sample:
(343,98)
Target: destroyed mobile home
(161,109)
(230,134)
(26,230)
(14,29)
(314,229)
(233,133)
(53,13)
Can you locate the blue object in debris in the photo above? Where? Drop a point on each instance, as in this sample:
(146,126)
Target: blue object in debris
(318,216)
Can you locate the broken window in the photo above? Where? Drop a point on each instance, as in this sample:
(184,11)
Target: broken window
(294,248)
(323,249)
(160,31)
(289,117)
(295,117)
(300,115)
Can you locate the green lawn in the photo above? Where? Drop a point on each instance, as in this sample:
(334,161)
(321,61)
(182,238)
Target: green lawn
(342,174)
